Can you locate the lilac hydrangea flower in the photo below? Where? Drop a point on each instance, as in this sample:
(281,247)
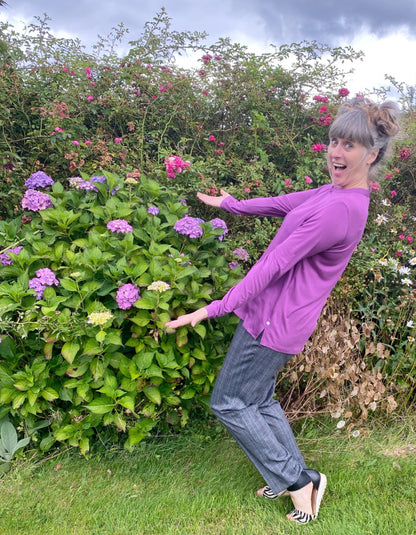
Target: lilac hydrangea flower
(119,226)
(100,179)
(127,295)
(47,277)
(44,277)
(76,181)
(233,265)
(35,200)
(38,180)
(35,284)
(241,253)
(5,258)
(154,210)
(87,185)
(189,226)
(219,223)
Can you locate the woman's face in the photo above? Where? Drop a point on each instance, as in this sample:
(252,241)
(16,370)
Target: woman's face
(349,163)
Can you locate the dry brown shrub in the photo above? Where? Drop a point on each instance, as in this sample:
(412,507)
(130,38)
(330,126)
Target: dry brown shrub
(331,375)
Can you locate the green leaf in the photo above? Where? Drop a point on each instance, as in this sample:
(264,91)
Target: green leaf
(97,369)
(113,338)
(199,354)
(101,405)
(201,330)
(145,303)
(8,436)
(127,401)
(69,285)
(69,351)
(153,393)
(144,359)
(188,393)
(142,318)
(100,336)
(49,394)
(91,347)
(65,432)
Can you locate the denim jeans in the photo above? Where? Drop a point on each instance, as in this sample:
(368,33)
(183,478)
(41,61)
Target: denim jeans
(243,401)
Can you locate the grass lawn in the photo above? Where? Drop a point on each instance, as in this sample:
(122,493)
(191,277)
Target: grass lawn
(197,485)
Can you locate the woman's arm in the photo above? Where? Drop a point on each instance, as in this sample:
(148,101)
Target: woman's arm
(193,318)
(266,206)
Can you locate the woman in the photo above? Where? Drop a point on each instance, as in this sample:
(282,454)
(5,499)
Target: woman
(280,299)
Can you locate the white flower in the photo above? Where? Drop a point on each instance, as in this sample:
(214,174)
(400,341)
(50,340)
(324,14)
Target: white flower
(412,261)
(407,281)
(356,433)
(410,324)
(404,270)
(394,263)
(159,286)
(411,338)
(340,424)
(385,202)
(99,318)
(380,219)
(383,261)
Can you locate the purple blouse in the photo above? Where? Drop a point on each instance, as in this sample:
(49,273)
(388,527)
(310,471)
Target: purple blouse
(284,292)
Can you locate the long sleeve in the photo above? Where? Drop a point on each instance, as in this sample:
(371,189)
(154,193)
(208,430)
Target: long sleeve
(268,206)
(308,239)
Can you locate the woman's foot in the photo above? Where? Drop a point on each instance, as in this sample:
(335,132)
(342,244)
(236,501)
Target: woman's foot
(302,500)
(307,499)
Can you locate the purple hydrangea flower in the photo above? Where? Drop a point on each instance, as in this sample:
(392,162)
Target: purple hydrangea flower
(127,295)
(76,181)
(154,210)
(35,200)
(182,201)
(38,180)
(86,185)
(35,284)
(47,277)
(5,258)
(233,265)
(189,226)
(219,223)
(44,277)
(119,226)
(241,253)
(100,179)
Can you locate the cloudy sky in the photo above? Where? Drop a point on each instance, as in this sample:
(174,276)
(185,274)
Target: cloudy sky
(385,30)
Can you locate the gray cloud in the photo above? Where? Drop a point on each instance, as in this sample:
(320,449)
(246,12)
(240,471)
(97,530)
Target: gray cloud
(328,21)
(278,21)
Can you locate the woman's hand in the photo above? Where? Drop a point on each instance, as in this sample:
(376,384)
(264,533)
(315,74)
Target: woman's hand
(186,319)
(212,200)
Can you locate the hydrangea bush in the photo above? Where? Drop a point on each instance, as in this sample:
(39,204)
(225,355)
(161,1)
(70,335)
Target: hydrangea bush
(89,280)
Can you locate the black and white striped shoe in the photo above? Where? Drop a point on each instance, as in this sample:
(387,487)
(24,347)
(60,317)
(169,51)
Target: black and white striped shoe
(300,517)
(267,492)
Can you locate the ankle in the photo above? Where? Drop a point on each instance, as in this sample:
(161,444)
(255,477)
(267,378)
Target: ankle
(304,479)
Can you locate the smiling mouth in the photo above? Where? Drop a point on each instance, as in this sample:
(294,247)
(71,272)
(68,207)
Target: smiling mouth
(339,167)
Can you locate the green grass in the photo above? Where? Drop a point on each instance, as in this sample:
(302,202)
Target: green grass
(192,485)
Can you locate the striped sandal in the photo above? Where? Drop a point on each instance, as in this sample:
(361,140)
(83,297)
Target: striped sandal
(319,485)
(266,492)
